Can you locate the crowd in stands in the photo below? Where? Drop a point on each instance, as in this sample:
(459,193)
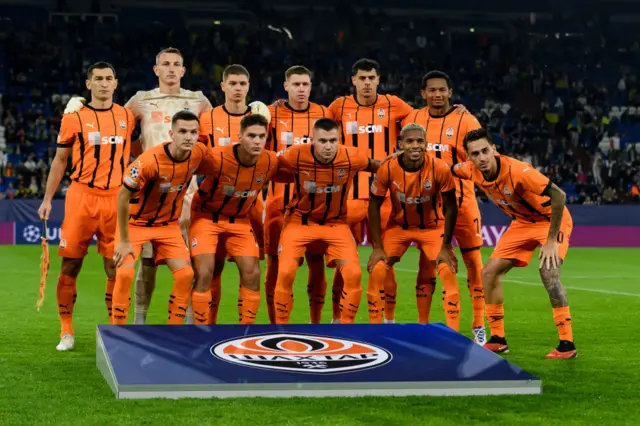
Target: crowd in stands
(568,103)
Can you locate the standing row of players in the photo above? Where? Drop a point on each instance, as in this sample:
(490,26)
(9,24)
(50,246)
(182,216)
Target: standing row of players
(367,122)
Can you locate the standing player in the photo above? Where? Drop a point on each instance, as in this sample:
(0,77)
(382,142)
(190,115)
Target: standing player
(221,127)
(98,137)
(220,217)
(415,182)
(154,109)
(324,172)
(369,122)
(291,124)
(540,217)
(445,133)
(155,184)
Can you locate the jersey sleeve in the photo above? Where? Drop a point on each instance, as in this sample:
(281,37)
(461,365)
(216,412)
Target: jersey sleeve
(380,184)
(134,105)
(287,159)
(359,160)
(471,123)
(131,122)
(463,170)
(206,104)
(208,161)
(139,173)
(327,112)
(205,125)
(410,118)
(402,109)
(444,177)
(528,179)
(335,109)
(69,129)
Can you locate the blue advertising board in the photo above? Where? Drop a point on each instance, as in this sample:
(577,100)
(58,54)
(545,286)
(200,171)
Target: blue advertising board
(301,360)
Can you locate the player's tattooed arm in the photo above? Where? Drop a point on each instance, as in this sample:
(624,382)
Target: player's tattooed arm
(377,254)
(549,257)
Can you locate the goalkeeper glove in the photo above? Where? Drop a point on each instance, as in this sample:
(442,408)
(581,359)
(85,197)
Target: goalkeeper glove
(258,107)
(75,104)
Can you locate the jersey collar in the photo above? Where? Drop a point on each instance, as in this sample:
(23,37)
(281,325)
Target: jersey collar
(451,109)
(224,108)
(405,168)
(288,106)
(166,151)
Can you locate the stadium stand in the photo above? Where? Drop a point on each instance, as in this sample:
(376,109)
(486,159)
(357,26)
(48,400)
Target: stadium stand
(559,93)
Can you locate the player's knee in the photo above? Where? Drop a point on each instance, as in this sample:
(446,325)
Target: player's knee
(489,276)
(183,277)
(251,277)
(126,273)
(109,268)
(71,267)
(287,270)
(204,276)
(351,274)
(379,271)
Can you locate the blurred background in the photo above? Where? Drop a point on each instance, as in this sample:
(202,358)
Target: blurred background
(555,83)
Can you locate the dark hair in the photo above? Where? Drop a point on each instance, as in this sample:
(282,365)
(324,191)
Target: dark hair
(173,50)
(100,66)
(325,124)
(435,74)
(184,115)
(234,69)
(365,64)
(297,70)
(253,120)
(475,135)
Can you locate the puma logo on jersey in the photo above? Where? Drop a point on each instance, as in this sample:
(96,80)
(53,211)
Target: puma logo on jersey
(220,129)
(526,169)
(306,172)
(155,104)
(285,123)
(438,147)
(92,125)
(396,184)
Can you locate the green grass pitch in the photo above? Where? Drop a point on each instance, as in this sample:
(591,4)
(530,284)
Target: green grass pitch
(38,385)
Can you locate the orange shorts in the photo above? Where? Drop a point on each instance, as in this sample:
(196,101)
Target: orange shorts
(521,239)
(468,230)
(256,217)
(396,241)
(357,217)
(339,242)
(167,242)
(205,235)
(88,212)
(273,223)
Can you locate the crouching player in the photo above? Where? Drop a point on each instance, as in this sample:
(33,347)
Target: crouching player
(155,185)
(540,218)
(414,180)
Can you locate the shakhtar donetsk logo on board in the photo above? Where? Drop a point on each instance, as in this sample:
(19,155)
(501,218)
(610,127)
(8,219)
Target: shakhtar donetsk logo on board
(301,352)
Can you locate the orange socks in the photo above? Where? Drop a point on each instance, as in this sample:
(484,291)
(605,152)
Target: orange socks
(179,299)
(201,307)
(122,295)
(316,289)
(248,303)
(66,295)
(215,299)
(108,295)
(562,318)
(473,262)
(270,279)
(336,293)
(450,296)
(283,298)
(390,291)
(352,292)
(495,316)
(425,286)
(375,292)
